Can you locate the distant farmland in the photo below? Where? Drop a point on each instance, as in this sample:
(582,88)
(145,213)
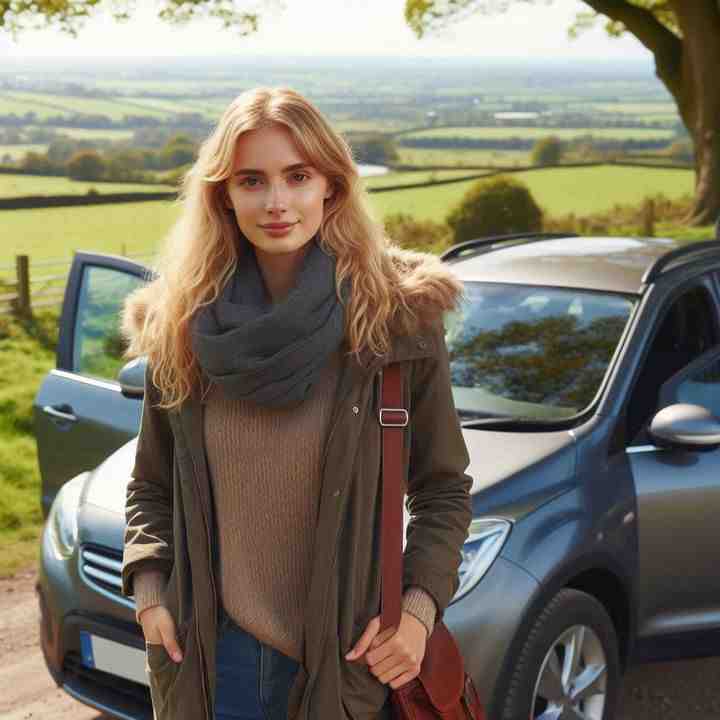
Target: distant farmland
(499,133)
(18,185)
(55,232)
(558,190)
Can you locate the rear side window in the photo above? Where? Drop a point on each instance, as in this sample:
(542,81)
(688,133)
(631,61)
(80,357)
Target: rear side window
(98,345)
(702,388)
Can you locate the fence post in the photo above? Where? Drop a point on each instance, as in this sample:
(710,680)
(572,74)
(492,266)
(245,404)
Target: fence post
(648,218)
(22,271)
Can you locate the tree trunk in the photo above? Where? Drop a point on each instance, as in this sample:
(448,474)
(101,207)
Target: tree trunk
(699,21)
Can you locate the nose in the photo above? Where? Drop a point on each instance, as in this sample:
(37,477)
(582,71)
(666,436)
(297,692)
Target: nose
(275,200)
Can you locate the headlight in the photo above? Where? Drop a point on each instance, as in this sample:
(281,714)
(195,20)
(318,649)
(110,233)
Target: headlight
(486,538)
(62,519)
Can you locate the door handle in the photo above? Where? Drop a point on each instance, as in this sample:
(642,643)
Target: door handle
(59,414)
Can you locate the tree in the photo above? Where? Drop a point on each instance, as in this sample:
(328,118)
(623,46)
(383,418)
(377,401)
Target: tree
(20,15)
(494,207)
(86,165)
(372,148)
(684,38)
(547,151)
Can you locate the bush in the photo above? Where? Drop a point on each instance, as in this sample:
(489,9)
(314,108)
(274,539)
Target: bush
(495,207)
(547,151)
(86,165)
(422,235)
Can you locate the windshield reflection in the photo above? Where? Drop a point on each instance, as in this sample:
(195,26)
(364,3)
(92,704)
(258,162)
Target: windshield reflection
(521,351)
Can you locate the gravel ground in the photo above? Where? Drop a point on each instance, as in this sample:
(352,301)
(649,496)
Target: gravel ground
(663,691)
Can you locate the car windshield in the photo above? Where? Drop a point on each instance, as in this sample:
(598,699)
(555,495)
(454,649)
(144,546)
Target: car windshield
(529,352)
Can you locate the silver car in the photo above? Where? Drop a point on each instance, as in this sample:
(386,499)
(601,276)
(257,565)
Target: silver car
(586,373)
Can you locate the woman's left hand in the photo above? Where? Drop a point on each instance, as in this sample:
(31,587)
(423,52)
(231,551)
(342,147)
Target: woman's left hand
(395,655)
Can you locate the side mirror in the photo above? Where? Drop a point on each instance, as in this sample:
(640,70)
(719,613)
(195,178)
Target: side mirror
(132,378)
(685,427)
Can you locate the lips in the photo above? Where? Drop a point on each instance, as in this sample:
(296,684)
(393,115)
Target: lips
(278,226)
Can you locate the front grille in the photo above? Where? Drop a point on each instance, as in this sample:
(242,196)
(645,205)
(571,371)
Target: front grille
(100,568)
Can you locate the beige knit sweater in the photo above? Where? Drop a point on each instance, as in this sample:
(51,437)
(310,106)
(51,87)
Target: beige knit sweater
(265,468)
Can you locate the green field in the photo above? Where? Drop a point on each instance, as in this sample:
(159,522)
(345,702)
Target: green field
(637,108)
(93,133)
(18,151)
(111,108)
(498,133)
(460,157)
(55,232)
(10,104)
(18,185)
(46,233)
(407,178)
(558,191)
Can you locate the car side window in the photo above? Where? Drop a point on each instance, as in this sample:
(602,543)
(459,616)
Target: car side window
(701,388)
(685,332)
(97,343)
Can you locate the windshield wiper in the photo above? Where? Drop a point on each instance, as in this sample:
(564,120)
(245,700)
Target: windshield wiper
(508,422)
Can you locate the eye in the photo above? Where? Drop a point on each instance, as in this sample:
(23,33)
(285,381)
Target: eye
(249,181)
(300,175)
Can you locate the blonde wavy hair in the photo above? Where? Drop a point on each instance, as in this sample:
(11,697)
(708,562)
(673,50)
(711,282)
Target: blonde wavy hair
(200,252)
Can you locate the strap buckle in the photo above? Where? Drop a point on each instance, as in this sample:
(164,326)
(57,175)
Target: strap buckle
(400,419)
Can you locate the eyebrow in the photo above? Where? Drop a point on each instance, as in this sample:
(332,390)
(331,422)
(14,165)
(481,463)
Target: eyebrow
(252,171)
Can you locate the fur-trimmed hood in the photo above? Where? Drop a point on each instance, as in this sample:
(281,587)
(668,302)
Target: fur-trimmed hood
(421,281)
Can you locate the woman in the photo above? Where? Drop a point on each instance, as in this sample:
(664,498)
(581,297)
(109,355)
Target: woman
(252,514)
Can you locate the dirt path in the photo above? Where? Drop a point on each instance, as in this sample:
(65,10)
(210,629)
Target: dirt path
(27,692)
(667,691)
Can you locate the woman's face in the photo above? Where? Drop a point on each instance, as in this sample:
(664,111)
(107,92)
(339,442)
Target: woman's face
(276,196)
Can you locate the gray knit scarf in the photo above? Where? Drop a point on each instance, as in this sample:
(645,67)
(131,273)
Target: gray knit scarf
(269,353)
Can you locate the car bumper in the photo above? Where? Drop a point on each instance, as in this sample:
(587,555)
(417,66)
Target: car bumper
(61,590)
(485,622)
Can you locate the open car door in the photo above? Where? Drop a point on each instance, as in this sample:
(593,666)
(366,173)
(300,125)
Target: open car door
(80,414)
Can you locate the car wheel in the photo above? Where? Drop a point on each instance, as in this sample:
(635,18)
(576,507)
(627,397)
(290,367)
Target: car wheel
(569,665)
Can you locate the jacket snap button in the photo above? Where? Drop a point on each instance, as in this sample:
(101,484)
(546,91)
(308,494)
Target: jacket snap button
(336,493)
(422,344)
(356,409)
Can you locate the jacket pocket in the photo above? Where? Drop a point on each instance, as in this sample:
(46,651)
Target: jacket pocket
(162,671)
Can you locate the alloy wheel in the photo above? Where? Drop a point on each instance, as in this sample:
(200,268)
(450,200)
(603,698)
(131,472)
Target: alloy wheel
(572,681)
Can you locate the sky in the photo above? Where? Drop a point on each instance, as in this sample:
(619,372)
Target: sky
(337,27)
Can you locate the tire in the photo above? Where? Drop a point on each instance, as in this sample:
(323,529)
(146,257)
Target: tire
(536,686)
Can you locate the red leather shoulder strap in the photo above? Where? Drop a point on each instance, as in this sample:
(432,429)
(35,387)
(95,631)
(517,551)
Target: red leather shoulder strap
(393,419)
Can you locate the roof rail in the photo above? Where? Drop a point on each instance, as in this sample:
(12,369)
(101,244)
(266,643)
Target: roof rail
(656,269)
(458,249)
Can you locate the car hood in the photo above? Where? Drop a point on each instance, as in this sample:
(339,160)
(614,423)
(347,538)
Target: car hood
(516,472)
(513,473)
(106,485)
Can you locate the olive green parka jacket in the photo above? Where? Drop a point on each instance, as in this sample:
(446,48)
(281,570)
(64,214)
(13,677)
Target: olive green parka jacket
(170,523)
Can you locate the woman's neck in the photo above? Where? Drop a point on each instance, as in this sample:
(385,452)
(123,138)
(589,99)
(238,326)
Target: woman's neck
(279,271)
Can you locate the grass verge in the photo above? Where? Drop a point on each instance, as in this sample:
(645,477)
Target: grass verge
(27,353)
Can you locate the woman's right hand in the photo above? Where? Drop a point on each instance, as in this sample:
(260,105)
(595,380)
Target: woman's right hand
(159,629)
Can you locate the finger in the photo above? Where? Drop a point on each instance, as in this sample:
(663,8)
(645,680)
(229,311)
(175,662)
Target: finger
(383,649)
(396,657)
(394,672)
(401,680)
(365,639)
(383,637)
(167,630)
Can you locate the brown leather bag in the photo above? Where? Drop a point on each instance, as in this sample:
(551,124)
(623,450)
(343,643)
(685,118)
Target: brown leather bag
(442,689)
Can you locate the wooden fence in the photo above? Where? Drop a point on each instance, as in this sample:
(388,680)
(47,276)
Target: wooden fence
(28,291)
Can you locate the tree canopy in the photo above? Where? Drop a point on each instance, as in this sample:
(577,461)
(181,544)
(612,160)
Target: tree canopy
(242,16)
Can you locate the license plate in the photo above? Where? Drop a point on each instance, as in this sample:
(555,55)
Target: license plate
(113,657)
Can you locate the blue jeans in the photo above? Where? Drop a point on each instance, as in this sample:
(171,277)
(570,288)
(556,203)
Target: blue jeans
(253,680)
